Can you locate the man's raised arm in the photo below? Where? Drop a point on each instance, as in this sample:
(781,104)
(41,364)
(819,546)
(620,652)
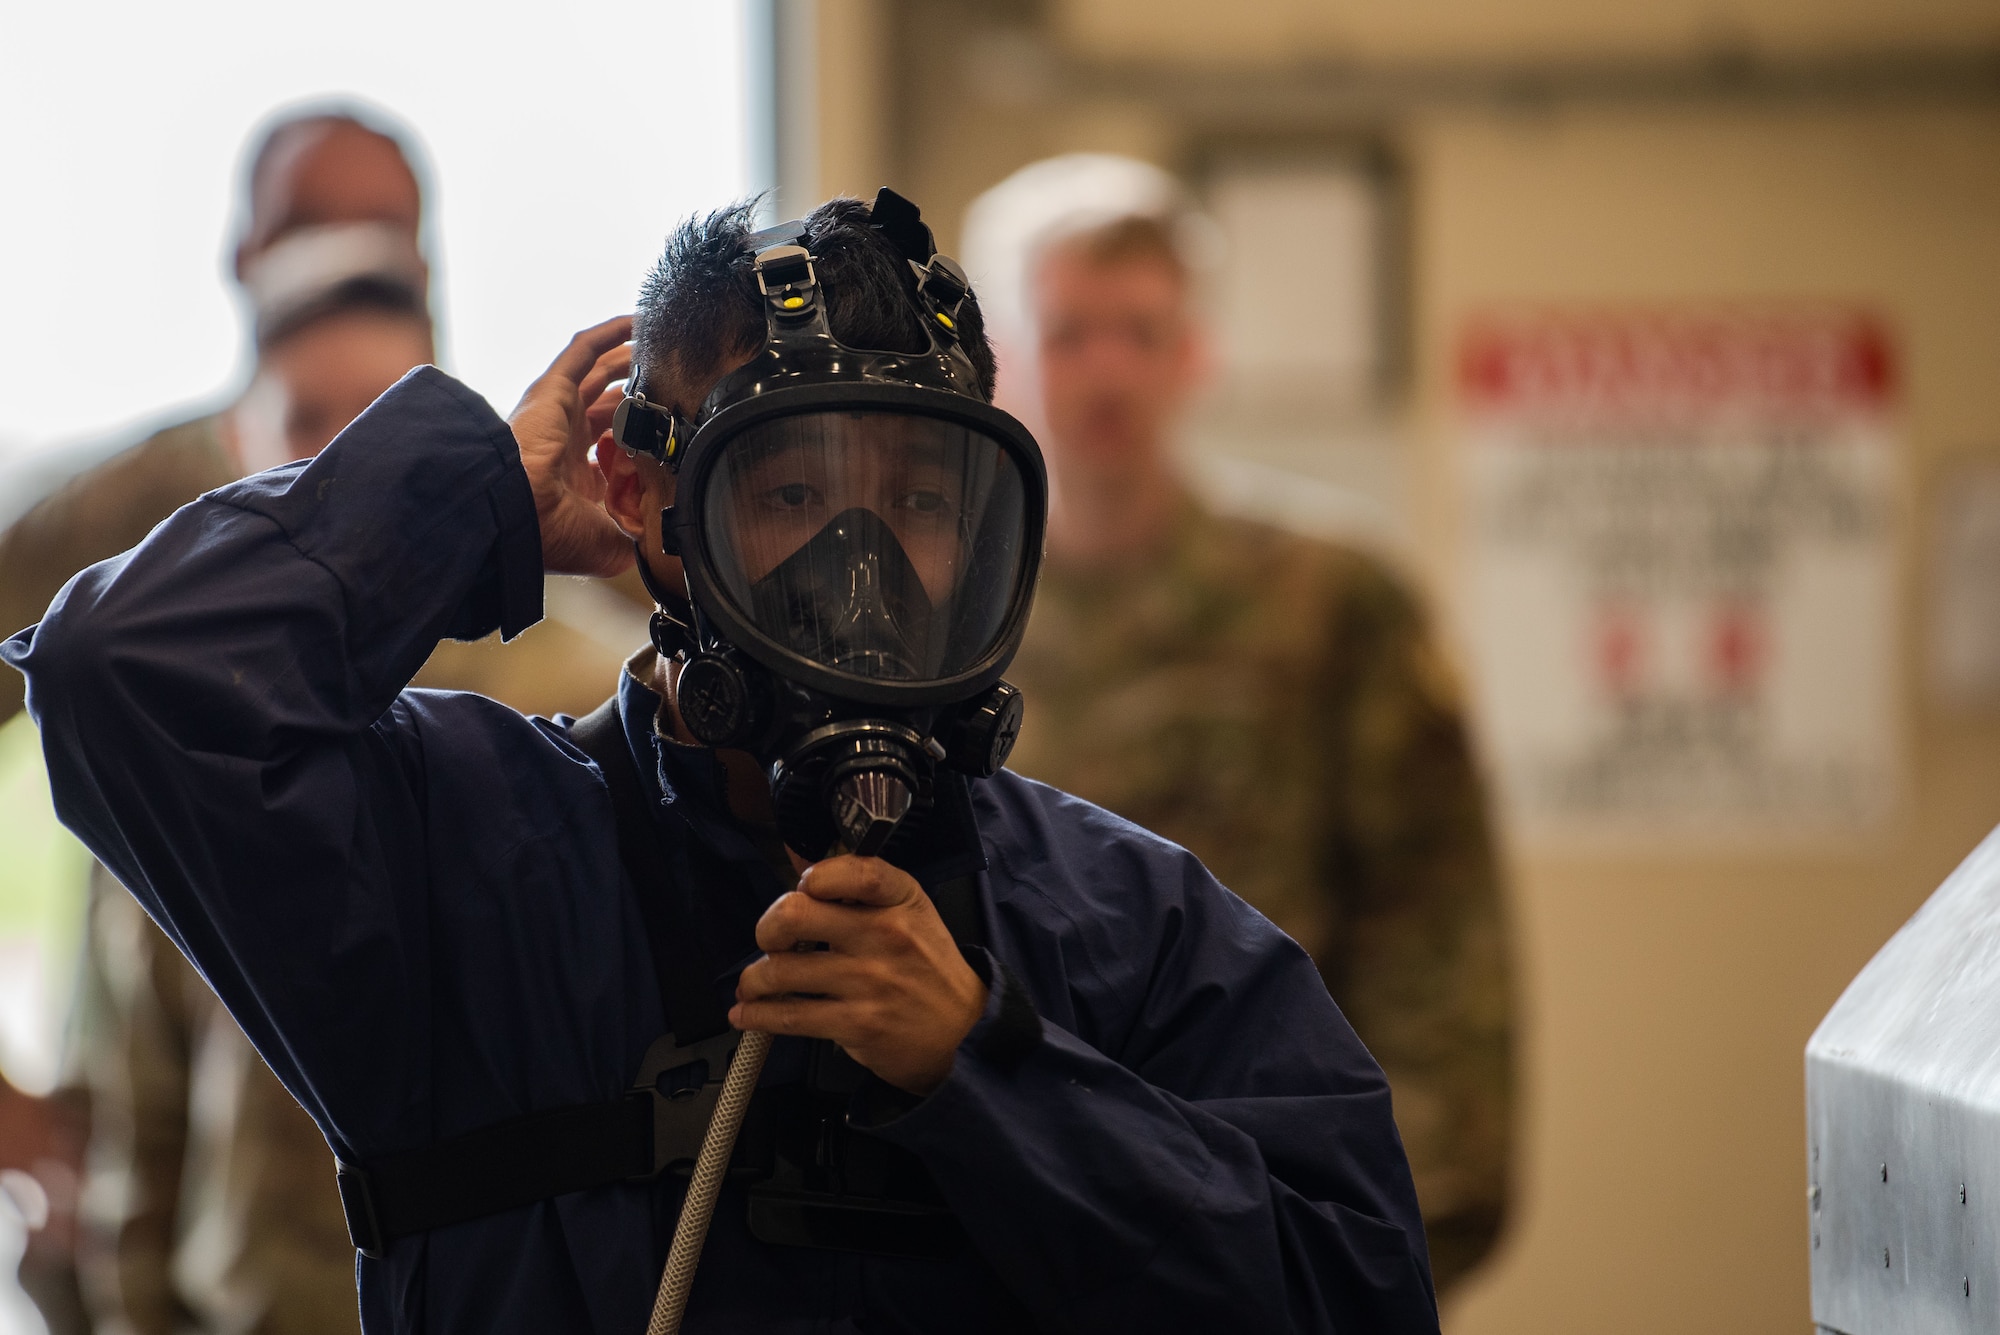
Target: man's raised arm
(219,705)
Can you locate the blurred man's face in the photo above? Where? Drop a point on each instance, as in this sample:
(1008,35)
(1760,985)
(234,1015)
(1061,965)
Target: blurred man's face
(1118,354)
(313,382)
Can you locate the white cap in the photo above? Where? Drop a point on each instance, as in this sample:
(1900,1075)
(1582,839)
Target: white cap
(1057,197)
(303,269)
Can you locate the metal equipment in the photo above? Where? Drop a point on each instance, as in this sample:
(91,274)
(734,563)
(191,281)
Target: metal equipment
(1903,1125)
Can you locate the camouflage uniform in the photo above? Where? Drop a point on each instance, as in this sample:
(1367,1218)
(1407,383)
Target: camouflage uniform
(211,1191)
(1276,706)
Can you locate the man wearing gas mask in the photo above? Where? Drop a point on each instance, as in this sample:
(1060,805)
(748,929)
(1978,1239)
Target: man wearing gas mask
(1029,1067)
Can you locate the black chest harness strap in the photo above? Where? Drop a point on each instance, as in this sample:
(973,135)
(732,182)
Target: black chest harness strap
(658,1125)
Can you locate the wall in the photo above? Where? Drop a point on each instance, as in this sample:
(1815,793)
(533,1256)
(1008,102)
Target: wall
(1282,31)
(1667,991)
(1670,992)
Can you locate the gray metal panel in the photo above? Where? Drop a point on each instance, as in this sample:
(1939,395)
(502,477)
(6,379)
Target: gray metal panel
(1903,1125)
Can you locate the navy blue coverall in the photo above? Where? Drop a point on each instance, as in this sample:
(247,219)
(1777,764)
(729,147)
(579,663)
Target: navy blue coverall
(413,902)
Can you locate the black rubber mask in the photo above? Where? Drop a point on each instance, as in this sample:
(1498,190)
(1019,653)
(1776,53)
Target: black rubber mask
(861,532)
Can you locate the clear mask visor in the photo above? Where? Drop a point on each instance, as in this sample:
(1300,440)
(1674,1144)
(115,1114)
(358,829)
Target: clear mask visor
(885,546)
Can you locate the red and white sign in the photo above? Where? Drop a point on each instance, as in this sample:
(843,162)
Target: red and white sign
(1682,581)
(1656,367)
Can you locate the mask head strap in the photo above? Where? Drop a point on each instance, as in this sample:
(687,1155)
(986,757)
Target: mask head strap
(795,318)
(942,287)
(653,428)
(790,288)
(649,428)
(672,627)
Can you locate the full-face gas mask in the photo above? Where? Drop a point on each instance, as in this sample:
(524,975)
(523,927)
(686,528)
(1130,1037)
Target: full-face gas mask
(861,533)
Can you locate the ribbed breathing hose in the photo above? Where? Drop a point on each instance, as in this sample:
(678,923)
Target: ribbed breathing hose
(867,811)
(710,1166)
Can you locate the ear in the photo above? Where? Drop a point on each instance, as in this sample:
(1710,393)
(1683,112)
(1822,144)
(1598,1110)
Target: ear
(636,488)
(625,487)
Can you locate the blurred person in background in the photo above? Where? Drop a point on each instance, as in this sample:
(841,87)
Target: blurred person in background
(41,1147)
(1274,704)
(210,1201)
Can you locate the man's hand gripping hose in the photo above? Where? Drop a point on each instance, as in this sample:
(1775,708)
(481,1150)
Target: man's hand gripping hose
(867,809)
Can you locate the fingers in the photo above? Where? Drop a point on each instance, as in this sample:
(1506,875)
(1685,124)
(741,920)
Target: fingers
(799,1016)
(796,917)
(819,973)
(614,364)
(891,986)
(900,1022)
(831,1000)
(597,417)
(812,994)
(858,880)
(575,362)
(841,902)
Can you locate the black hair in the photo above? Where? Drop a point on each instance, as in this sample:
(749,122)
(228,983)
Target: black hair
(700,306)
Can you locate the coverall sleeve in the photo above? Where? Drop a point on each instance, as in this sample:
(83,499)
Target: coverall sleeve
(38,554)
(96,515)
(1417,957)
(218,712)
(1221,1156)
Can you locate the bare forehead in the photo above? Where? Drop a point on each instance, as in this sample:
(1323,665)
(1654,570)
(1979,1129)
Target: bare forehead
(1072,289)
(331,171)
(1062,266)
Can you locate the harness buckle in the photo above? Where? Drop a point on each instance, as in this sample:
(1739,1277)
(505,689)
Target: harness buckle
(357,1202)
(684,1083)
(785,276)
